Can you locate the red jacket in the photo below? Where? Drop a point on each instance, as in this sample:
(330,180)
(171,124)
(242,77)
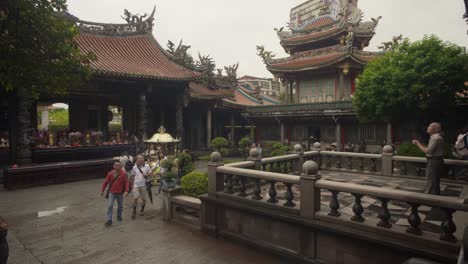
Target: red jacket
(120,185)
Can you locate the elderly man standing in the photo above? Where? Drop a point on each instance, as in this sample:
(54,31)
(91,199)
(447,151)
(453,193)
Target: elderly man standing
(140,175)
(435,160)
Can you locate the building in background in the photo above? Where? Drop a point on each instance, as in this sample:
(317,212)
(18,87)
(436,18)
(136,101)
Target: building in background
(267,86)
(309,10)
(326,56)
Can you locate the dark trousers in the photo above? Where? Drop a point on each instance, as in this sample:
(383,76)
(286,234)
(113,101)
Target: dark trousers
(434,169)
(3,252)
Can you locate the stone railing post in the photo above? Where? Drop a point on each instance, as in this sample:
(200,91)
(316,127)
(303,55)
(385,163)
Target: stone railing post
(215,180)
(254,155)
(310,195)
(167,207)
(298,164)
(387,163)
(317,147)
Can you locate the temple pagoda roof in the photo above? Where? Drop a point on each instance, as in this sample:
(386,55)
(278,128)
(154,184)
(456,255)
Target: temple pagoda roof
(129,50)
(328,27)
(320,58)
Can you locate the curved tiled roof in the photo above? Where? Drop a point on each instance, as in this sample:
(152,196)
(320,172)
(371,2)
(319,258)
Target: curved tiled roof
(135,56)
(319,22)
(312,37)
(200,91)
(242,98)
(320,58)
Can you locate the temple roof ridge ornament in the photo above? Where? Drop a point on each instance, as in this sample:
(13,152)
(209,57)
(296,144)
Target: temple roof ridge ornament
(136,25)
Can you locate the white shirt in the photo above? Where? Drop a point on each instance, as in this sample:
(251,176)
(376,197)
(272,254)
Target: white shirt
(140,180)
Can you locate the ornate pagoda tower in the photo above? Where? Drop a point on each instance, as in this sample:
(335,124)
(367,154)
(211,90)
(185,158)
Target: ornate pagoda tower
(326,50)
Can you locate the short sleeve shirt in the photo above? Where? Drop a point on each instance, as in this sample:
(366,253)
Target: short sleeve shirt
(435,148)
(140,180)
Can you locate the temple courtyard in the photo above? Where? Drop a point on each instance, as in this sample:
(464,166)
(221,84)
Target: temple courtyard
(65,224)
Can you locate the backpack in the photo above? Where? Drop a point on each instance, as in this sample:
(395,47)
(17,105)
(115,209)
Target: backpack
(128,165)
(462,145)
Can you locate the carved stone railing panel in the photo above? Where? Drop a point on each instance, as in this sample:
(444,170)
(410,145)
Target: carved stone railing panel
(414,166)
(448,205)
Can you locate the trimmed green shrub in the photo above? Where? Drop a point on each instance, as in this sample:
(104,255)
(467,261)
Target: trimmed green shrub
(224,152)
(244,146)
(185,163)
(279,149)
(168,164)
(195,184)
(219,143)
(409,150)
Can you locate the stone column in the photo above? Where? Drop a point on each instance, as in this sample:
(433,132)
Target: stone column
(338,135)
(208,128)
(23,127)
(252,132)
(215,180)
(341,84)
(141,131)
(180,118)
(310,195)
(232,138)
(103,120)
(282,132)
(389,133)
(162,117)
(45,118)
(387,162)
(298,165)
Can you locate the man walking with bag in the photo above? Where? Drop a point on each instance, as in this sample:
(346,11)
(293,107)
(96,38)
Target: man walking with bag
(118,187)
(140,175)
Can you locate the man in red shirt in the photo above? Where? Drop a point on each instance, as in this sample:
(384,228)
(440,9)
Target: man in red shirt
(118,187)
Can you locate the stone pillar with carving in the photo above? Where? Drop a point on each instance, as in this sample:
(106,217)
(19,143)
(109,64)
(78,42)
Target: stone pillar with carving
(23,127)
(141,127)
(389,133)
(282,132)
(232,137)
(180,118)
(338,135)
(208,128)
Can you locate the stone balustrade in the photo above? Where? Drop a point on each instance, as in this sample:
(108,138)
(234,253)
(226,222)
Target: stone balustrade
(270,173)
(448,205)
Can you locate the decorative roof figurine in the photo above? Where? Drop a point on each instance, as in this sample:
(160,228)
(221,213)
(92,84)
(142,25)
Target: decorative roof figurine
(162,137)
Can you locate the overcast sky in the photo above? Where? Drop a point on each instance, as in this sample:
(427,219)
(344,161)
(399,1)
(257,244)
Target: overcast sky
(229,31)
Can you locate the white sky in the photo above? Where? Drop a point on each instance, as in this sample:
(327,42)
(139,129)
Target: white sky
(229,31)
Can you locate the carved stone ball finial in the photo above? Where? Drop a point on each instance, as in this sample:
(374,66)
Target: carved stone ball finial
(310,168)
(215,156)
(387,149)
(254,153)
(317,146)
(297,148)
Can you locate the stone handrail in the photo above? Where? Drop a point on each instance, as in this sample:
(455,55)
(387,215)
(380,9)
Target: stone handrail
(351,154)
(262,175)
(311,153)
(280,158)
(242,164)
(398,195)
(424,160)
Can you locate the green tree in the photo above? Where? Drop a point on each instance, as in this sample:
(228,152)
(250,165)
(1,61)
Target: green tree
(414,81)
(37,48)
(38,55)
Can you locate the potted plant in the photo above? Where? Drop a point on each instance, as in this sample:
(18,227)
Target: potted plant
(169,177)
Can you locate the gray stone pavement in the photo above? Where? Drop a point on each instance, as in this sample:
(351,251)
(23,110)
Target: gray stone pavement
(64,224)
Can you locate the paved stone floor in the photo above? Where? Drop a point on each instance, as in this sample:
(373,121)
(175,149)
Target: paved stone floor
(64,224)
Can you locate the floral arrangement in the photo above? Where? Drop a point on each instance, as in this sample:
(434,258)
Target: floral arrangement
(75,138)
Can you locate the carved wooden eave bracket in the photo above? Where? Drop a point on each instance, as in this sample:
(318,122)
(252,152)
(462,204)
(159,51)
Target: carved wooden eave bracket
(136,25)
